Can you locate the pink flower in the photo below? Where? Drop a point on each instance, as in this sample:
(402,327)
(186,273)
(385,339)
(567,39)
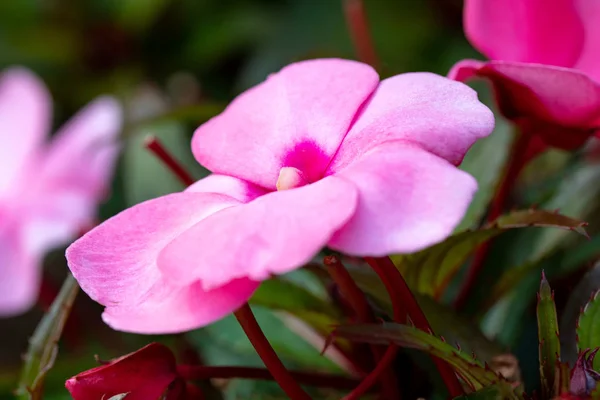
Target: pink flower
(545,65)
(48,190)
(320,154)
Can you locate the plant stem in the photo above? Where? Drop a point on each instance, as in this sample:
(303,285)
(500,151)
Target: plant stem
(200,372)
(359,304)
(405,304)
(375,375)
(262,346)
(155,146)
(356,19)
(519,156)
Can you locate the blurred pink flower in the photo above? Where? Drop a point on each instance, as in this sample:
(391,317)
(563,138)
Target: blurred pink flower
(320,154)
(48,190)
(545,65)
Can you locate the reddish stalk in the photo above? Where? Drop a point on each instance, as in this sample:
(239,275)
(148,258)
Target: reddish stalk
(374,376)
(199,372)
(152,143)
(519,156)
(402,297)
(356,19)
(360,306)
(262,346)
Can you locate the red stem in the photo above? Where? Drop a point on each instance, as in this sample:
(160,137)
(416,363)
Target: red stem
(519,156)
(359,304)
(153,144)
(262,346)
(199,372)
(356,19)
(402,297)
(375,375)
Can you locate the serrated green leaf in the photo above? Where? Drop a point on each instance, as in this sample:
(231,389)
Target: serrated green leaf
(549,353)
(43,345)
(429,271)
(562,382)
(588,327)
(475,375)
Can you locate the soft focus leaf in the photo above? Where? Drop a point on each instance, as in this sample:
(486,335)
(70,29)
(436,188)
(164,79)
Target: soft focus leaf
(548,337)
(588,330)
(498,391)
(281,295)
(429,271)
(578,298)
(43,345)
(476,375)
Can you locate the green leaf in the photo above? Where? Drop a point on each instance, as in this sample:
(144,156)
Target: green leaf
(548,337)
(562,383)
(429,271)
(476,375)
(281,295)
(43,345)
(498,391)
(588,329)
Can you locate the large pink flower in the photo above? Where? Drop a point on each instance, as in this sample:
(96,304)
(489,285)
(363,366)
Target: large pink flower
(320,154)
(48,191)
(545,64)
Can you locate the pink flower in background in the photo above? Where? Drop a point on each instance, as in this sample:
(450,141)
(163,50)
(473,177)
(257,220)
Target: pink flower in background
(545,65)
(49,189)
(320,154)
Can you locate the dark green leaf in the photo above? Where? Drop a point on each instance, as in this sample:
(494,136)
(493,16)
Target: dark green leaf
(549,355)
(498,391)
(429,271)
(43,345)
(588,329)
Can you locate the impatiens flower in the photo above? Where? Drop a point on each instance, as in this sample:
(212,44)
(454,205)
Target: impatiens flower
(147,374)
(545,65)
(320,154)
(49,188)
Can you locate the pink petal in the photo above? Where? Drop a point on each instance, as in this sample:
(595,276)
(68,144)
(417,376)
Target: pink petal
(180,308)
(296,118)
(525,30)
(563,102)
(409,199)
(115,264)
(239,189)
(19,274)
(25,112)
(273,234)
(589,61)
(438,114)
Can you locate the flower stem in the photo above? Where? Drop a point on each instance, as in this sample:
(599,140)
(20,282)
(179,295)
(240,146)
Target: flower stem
(156,147)
(356,19)
(262,346)
(201,372)
(519,156)
(405,304)
(359,304)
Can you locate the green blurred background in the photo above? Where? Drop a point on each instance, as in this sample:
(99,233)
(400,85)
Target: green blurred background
(175,63)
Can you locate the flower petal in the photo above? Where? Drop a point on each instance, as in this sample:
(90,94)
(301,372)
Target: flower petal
(589,61)
(438,114)
(19,274)
(239,189)
(177,309)
(273,234)
(144,374)
(25,112)
(544,95)
(115,263)
(296,118)
(408,199)
(525,30)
